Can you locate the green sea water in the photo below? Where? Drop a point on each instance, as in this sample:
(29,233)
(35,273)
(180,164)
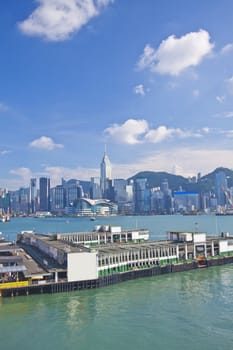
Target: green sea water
(185,310)
(192,310)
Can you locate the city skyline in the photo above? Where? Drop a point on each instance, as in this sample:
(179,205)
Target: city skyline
(154,82)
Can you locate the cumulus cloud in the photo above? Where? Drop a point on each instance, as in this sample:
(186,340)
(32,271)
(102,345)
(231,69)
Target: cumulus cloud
(163,133)
(129,132)
(56,20)
(46,143)
(174,55)
(137,131)
(227,48)
(139,90)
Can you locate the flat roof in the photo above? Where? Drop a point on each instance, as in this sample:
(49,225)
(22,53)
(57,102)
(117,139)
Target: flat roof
(129,247)
(63,245)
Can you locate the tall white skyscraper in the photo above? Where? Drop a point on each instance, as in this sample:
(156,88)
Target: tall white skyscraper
(105,174)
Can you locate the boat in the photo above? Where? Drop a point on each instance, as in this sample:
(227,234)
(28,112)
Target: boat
(93,218)
(201,261)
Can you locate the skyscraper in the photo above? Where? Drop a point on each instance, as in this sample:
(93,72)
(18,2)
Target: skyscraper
(33,195)
(105,175)
(73,191)
(141,196)
(95,192)
(44,194)
(58,199)
(220,187)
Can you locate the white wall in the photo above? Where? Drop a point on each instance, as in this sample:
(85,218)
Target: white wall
(199,237)
(81,266)
(225,247)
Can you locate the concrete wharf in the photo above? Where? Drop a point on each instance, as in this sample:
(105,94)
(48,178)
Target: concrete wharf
(56,263)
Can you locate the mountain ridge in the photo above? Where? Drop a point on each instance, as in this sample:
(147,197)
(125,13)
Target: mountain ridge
(178,182)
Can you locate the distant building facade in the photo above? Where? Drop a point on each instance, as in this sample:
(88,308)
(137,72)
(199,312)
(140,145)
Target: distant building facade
(44,193)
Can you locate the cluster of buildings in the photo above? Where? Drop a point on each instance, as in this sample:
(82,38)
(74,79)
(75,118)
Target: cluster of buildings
(107,196)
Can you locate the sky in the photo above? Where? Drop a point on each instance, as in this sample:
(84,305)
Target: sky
(150,80)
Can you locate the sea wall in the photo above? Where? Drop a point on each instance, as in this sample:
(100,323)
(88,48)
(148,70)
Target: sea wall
(109,280)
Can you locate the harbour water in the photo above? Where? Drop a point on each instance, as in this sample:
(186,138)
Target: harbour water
(185,310)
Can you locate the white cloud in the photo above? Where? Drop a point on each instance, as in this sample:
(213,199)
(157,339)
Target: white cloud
(130,132)
(206,130)
(228,114)
(139,90)
(4,152)
(227,48)
(225,115)
(56,20)
(159,134)
(174,55)
(46,143)
(163,133)
(220,99)
(229,133)
(185,162)
(137,131)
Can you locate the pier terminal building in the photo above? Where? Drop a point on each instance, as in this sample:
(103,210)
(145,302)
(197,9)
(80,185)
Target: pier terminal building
(68,257)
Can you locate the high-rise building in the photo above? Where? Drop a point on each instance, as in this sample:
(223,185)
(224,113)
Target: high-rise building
(58,199)
(120,194)
(105,175)
(44,191)
(73,191)
(33,195)
(220,187)
(141,196)
(186,201)
(95,192)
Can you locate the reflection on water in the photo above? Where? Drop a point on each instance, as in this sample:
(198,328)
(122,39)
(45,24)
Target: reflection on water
(163,312)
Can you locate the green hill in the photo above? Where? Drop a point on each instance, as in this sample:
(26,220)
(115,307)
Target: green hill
(176,182)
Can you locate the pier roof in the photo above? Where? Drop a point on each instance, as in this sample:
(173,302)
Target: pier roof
(129,247)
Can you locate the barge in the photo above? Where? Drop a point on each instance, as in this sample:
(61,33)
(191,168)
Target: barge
(40,263)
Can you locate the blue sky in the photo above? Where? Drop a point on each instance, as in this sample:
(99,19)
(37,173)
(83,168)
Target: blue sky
(151,79)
